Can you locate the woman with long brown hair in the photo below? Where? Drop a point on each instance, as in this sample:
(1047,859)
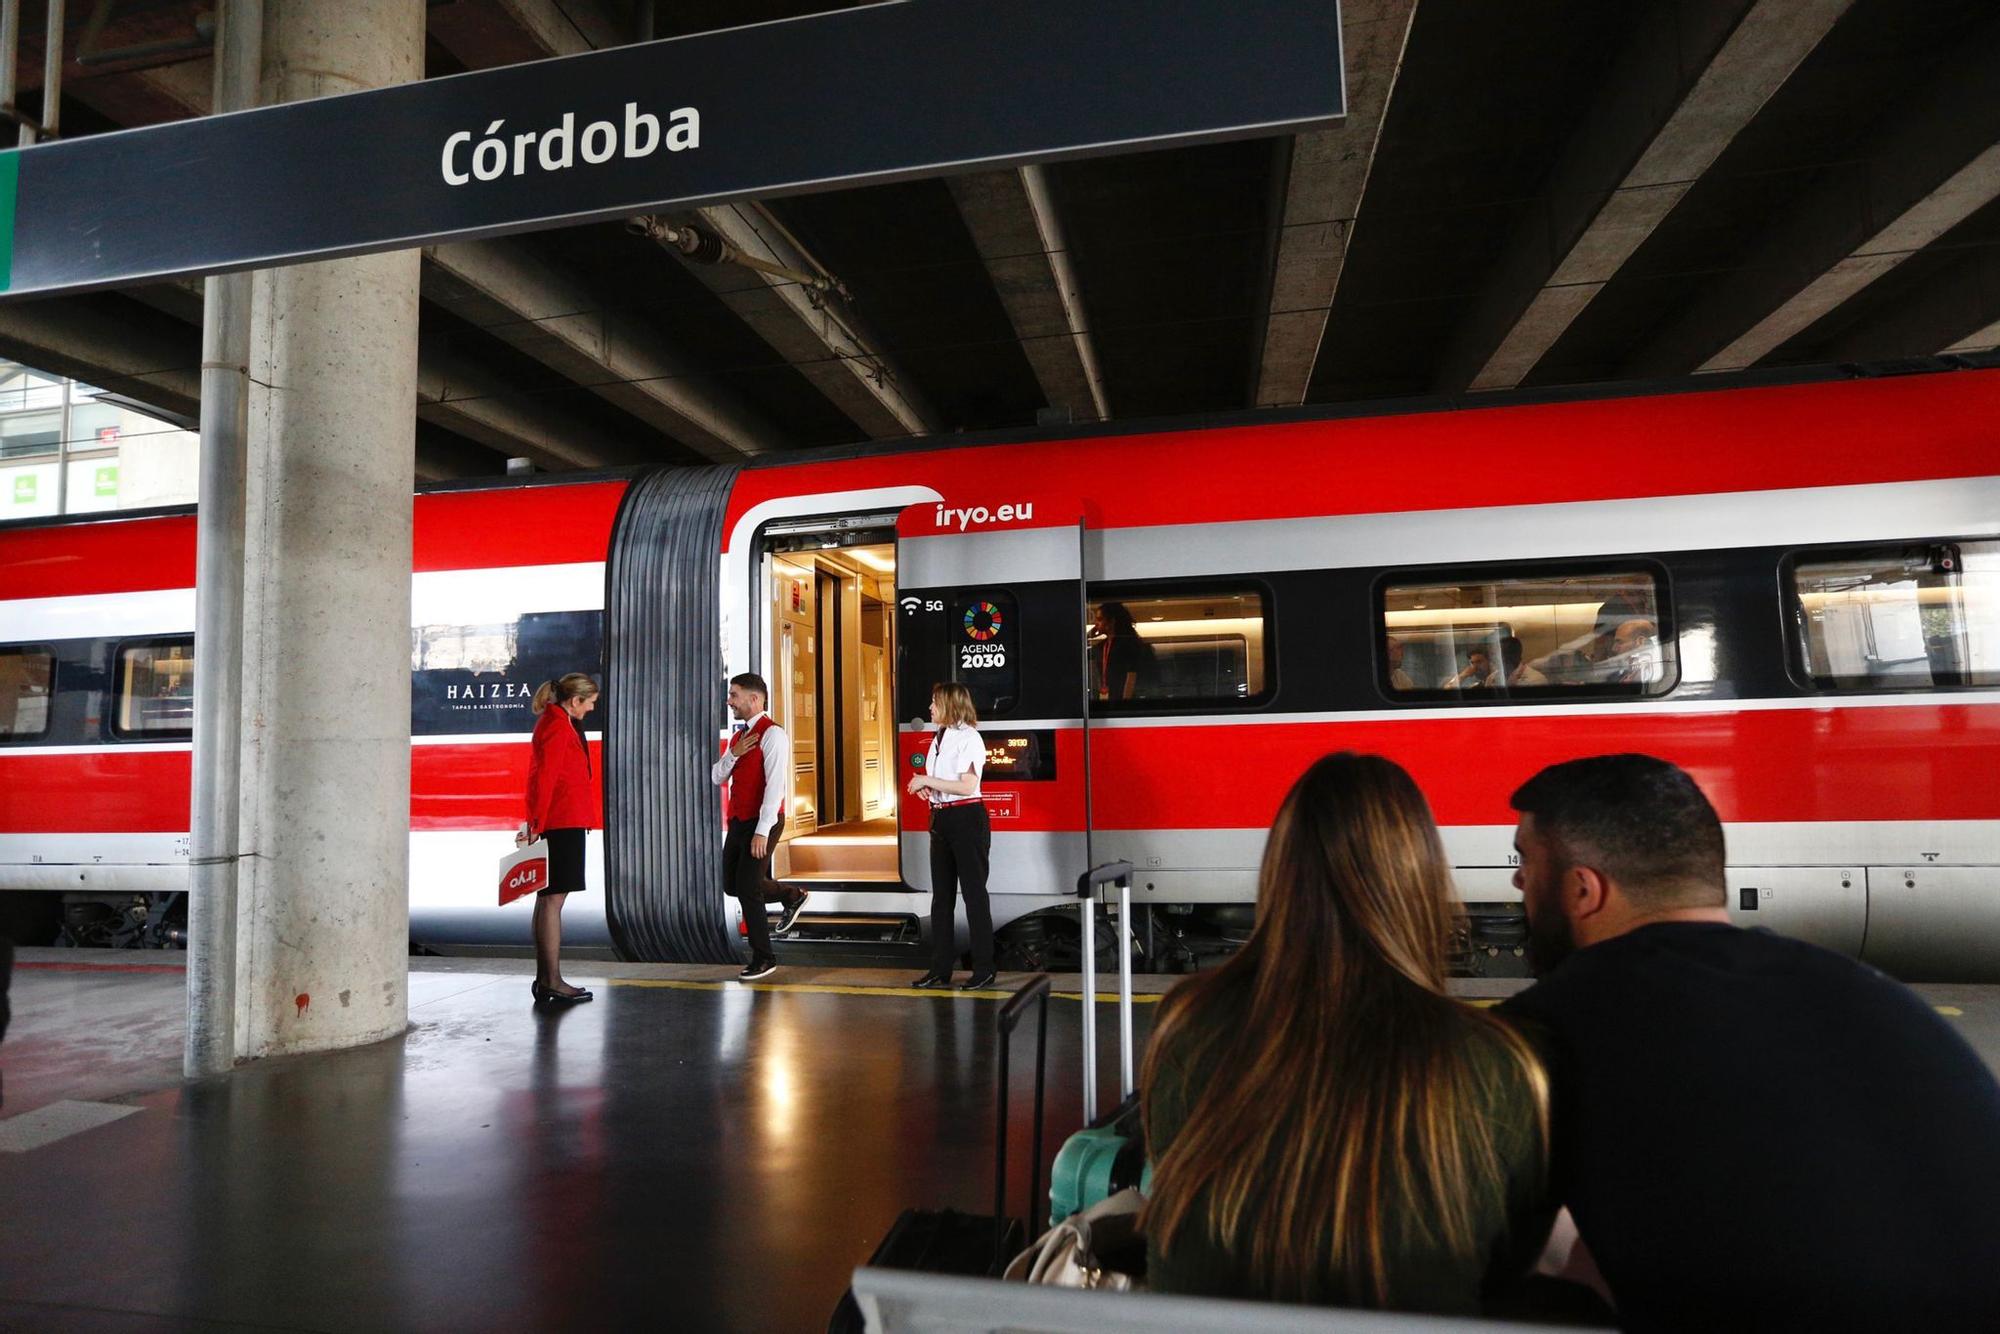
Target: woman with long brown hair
(563,804)
(1326,1124)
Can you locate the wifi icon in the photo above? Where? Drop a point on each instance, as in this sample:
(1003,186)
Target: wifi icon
(911,605)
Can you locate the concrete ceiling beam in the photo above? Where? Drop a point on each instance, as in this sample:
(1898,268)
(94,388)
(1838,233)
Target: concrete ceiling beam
(486,34)
(96,339)
(501,288)
(151,96)
(1960,195)
(1979,340)
(457,391)
(1023,248)
(1930,164)
(1690,81)
(817,334)
(103,341)
(1944,314)
(1328,175)
(444,456)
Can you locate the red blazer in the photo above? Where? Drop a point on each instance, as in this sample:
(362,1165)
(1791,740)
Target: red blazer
(562,783)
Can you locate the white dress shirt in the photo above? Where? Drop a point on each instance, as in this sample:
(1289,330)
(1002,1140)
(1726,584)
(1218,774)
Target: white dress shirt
(777,755)
(955,751)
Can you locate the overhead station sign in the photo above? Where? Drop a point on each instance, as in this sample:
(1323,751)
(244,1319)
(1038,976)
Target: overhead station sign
(879,93)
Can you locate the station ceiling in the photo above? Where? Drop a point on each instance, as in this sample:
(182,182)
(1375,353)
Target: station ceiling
(1523,199)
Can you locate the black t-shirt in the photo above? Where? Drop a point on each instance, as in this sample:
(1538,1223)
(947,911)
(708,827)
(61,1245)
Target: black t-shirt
(1120,657)
(1757,1133)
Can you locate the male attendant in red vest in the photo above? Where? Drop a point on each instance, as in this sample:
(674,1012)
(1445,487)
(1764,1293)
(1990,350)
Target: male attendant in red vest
(756,805)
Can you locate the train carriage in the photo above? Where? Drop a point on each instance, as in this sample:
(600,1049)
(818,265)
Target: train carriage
(1792,590)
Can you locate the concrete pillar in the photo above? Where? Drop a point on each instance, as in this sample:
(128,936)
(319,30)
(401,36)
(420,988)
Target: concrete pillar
(323,923)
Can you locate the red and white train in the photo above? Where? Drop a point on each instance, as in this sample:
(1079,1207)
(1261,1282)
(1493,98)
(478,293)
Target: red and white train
(1792,591)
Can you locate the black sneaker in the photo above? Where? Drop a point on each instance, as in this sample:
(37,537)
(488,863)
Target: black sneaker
(979,981)
(757,968)
(790,917)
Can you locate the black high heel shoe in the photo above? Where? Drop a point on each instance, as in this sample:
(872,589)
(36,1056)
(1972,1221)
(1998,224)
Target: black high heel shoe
(931,982)
(550,996)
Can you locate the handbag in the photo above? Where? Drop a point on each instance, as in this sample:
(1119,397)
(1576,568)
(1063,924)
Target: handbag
(524,871)
(1074,1253)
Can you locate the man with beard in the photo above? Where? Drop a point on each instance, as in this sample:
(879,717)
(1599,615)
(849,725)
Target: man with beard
(1751,1132)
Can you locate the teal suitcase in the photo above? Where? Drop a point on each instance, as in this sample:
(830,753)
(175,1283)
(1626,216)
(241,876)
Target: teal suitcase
(1109,1153)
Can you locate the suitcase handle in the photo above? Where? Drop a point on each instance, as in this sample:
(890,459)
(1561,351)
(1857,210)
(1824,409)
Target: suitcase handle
(1119,874)
(1035,989)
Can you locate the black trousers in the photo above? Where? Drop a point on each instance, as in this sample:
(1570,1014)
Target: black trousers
(961,843)
(747,879)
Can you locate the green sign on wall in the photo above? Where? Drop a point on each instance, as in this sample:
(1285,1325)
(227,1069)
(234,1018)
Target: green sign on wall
(107,480)
(24,489)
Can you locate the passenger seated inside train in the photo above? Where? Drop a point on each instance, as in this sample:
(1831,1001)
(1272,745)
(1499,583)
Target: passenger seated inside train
(1635,656)
(1513,670)
(1327,1125)
(1751,1132)
(1392,649)
(1475,675)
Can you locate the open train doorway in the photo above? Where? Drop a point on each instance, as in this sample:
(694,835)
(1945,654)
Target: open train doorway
(829,627)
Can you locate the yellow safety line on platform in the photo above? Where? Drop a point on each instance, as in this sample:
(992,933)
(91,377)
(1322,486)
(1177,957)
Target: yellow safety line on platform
(836,989)
(1951,1010)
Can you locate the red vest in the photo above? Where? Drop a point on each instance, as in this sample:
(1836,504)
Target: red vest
(746,786)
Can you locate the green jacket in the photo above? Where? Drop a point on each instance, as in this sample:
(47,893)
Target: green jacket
(1512,1219)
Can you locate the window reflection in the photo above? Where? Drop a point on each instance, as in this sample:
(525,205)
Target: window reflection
(25,676)
(1901,618)
(467,648)
(156,688)
(1544,633)
(1182,647)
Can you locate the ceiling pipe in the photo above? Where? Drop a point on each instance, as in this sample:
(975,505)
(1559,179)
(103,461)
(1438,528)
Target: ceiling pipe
(10,55)
(52,66)
(705,247)
(49,125)
(1056,246)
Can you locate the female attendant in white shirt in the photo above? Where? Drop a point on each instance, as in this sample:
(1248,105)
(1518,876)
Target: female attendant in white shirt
(961,836)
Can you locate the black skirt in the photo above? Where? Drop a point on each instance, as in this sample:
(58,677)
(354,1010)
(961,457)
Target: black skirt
(565,861)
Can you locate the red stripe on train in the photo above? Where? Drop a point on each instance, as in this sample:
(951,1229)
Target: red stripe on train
(527,525)
(111,556)
(455,530)
(476,786)
(1776,438)
(1919,762)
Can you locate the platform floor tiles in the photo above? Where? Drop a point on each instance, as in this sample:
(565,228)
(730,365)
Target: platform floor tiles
(683,1153)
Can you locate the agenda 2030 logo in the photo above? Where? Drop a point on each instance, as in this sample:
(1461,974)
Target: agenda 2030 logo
(982,624)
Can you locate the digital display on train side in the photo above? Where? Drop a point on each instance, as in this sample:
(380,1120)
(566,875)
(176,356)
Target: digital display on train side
(1018,756)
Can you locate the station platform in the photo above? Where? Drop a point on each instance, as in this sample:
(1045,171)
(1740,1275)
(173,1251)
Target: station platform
(684,1152)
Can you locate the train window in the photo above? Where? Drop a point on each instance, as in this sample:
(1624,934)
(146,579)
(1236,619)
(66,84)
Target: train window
(156,689)
(1184,646)
(1540,634)
(1900,618)
(26,677)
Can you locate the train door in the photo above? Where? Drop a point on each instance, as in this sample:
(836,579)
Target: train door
(830,627)
(999,610)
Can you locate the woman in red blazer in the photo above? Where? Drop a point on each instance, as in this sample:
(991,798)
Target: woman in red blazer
(563,802)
